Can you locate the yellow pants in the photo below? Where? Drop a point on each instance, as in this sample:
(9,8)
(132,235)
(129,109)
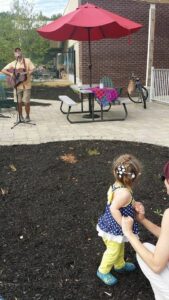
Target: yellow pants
(113,256)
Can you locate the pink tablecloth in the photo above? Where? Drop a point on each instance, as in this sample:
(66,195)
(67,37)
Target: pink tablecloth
(105,95)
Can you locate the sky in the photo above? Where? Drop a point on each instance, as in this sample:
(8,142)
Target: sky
(47,7)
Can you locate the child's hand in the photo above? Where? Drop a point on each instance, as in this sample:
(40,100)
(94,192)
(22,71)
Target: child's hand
(139,207)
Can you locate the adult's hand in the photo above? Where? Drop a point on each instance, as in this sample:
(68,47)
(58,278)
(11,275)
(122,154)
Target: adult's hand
(139,207)
(127,225)
(140,216)
(140,211)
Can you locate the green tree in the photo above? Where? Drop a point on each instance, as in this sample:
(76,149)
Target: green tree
(18,29)
(7,38)
(27,38)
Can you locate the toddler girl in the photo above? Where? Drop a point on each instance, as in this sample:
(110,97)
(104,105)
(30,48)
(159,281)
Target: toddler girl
(126,170)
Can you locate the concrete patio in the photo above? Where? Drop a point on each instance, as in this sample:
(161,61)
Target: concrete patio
(149,125)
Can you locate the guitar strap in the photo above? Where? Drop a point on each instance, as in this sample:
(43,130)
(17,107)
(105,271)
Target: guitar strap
(24,64)
(25,69)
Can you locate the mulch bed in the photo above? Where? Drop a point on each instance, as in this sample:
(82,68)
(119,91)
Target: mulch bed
(52,93)
(51,197)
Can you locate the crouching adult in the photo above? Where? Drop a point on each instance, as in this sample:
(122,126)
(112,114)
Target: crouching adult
(153,259)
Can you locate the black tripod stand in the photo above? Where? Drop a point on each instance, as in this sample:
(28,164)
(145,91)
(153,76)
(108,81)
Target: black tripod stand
(18,115)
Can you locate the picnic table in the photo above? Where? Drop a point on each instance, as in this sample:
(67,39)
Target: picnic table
(104,96)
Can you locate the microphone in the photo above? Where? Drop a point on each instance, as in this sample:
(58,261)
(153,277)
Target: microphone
(17,56)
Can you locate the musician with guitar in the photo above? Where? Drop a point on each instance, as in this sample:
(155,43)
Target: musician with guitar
(19,74)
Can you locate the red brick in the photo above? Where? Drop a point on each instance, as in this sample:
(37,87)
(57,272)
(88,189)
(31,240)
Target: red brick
(116,58)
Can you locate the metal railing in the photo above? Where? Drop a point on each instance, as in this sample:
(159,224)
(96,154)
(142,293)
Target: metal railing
(159,90)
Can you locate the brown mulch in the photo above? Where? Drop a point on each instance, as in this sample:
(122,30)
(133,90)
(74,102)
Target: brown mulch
(51,196)
(52,93)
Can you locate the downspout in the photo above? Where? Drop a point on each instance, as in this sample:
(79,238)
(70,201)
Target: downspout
(150,49)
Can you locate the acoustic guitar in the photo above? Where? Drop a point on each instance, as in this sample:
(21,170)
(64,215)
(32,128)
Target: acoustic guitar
(19,76)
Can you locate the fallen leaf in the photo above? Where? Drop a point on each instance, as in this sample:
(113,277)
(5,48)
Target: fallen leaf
(93,152)
(69,158)
(12,167)
(4,191)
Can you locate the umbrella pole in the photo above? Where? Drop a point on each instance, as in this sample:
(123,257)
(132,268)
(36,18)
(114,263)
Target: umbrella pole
(91,101)
(90,95)
(90,58)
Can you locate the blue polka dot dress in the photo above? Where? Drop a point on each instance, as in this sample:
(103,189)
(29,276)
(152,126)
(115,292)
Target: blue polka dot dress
(107,226)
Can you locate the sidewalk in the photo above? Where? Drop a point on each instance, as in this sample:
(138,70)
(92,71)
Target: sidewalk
(149,125)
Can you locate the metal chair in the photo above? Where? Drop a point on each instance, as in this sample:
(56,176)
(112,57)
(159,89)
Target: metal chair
(107,82)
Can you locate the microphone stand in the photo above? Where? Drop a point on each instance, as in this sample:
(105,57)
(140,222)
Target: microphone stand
(18,115)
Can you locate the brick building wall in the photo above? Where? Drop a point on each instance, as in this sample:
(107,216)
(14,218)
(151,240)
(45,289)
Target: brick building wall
(117,58)
(161,53)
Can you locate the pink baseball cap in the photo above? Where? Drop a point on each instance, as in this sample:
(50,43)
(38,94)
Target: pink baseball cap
(166,171)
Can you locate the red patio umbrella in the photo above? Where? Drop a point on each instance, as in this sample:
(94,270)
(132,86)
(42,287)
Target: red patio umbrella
(88,23)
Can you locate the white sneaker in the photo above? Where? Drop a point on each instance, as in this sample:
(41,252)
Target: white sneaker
(27,119)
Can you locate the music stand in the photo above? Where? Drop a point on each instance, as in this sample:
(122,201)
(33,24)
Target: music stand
(18,115)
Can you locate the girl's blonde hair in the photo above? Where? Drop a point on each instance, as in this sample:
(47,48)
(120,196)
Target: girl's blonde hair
(126,169)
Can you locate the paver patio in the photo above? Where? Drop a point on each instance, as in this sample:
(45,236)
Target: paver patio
(149,125)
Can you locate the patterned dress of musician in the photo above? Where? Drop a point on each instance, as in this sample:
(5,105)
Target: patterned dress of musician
(21,68)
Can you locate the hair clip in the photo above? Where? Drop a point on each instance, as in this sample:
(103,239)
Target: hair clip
(121,171)
(133,175)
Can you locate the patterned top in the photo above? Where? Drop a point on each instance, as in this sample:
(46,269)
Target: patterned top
(107,226)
